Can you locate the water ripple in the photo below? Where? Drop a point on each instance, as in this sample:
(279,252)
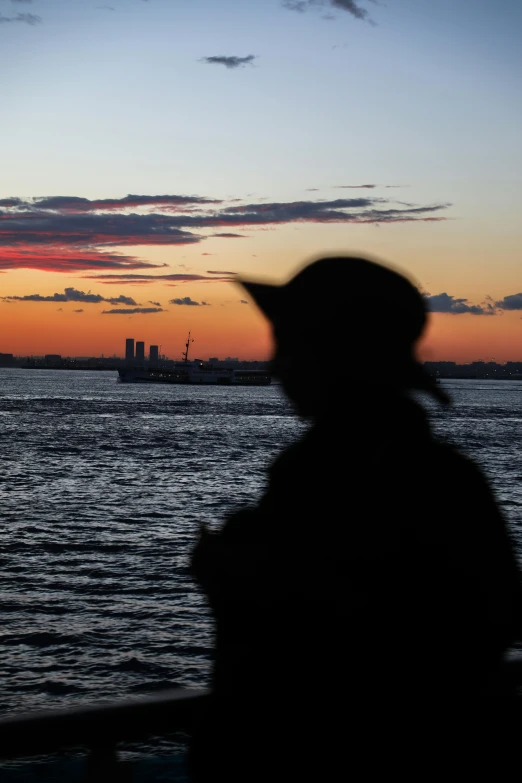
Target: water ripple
(102,489)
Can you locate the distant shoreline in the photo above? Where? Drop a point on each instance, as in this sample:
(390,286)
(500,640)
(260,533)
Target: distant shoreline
(443,377)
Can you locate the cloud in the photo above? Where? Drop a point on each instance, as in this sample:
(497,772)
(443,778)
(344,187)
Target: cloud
(10,202)
(77,311)
(186,300)
(79,204)
(354,187)
(230,236)
(444,303)
(134,311)
(230,61)
(31,19)
(352,7)
(355,210)
(126,300)
(219,272)
(511,302)
(156,304)
(62,259)
(73,234)
(172,279)
(243,301)
(72,295)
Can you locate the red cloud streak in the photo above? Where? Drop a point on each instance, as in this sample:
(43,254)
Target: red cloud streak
(60,259)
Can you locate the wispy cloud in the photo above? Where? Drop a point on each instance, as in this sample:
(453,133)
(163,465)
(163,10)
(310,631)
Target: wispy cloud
(229,61)
(352,7)
(355,187)
(354,210)
(243,301)
(228,235)
(72,295)
(186,300)
(30,19)
(134,311)
(174,279)
(156,304)
(219,272)
(77,311)
(79,204)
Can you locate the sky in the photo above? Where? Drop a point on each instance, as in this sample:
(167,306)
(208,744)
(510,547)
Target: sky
(153,150)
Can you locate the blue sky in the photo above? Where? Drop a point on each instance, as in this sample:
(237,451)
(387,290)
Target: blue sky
(109,102)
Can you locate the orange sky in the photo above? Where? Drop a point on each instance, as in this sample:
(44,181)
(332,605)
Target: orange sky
(451,256)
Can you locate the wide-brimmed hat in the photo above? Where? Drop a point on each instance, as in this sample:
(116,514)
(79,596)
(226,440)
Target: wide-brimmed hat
(366,306)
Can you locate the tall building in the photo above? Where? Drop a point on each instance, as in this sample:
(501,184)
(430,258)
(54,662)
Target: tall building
(129,349)
(153,354)
(140,351)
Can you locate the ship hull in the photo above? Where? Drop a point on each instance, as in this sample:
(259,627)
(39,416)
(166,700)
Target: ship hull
(196,377)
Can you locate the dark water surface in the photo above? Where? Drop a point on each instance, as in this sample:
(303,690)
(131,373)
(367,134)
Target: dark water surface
(102,489)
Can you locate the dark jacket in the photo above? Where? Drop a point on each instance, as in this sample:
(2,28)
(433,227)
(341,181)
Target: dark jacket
(373,587)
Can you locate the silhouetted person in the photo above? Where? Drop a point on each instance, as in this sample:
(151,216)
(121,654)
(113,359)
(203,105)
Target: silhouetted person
(364,605)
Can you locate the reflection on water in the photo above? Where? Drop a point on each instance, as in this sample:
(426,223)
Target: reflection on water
(102,488)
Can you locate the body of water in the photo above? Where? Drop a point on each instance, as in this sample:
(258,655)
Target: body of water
(102,489)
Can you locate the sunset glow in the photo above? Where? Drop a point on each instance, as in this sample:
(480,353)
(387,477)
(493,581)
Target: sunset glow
(139,185)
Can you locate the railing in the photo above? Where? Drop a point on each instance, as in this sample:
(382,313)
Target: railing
(100,728)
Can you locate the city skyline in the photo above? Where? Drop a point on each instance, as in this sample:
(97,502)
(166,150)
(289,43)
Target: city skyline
(254,137)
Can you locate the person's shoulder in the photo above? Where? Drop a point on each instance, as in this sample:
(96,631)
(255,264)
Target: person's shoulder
(455,460)
(240,524)
(217,551)
(453,473)
(302,451)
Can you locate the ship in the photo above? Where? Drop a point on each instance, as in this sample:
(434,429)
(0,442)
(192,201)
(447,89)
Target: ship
(194,372)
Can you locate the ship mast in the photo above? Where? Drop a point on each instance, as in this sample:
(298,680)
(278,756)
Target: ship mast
(185,353)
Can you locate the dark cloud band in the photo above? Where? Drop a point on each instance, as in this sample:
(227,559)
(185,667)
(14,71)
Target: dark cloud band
(134,311)
(72,295)
(73,234)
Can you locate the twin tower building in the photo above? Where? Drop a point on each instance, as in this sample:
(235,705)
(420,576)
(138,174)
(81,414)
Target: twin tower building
(139,356)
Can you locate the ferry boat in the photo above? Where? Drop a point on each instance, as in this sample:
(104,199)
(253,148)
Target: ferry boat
(194,372)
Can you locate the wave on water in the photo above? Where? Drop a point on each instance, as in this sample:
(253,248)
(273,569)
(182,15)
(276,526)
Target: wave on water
(103,489)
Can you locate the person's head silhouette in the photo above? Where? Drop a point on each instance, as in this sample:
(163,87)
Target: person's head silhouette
(344,319)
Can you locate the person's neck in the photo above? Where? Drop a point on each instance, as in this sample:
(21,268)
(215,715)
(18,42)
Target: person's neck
(375,407)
